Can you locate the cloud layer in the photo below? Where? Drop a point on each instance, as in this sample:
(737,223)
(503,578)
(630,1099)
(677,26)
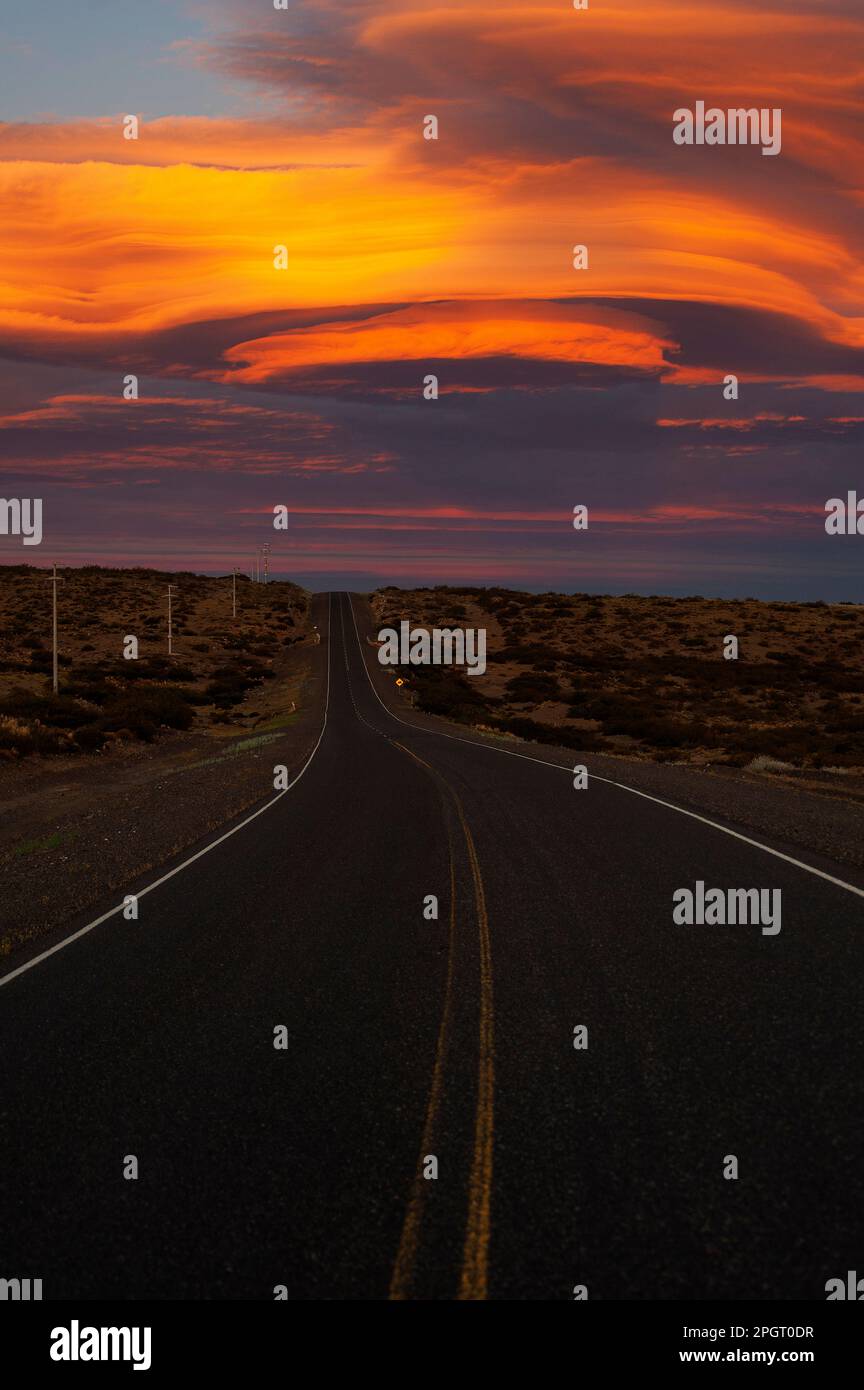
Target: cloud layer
(453,257)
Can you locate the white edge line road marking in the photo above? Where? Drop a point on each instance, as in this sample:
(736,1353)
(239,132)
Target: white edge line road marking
(82,931)
(457,738)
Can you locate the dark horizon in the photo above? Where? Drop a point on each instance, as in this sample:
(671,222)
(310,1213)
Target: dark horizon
(339,581)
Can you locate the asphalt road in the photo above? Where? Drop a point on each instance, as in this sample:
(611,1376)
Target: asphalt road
(303,1166)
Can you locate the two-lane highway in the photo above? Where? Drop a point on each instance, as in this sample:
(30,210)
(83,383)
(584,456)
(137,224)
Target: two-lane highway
(414,1043)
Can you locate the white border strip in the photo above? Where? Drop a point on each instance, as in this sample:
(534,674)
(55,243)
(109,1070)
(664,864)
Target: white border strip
(736,835)
(97,921)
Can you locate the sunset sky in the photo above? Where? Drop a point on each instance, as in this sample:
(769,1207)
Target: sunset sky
(407,256)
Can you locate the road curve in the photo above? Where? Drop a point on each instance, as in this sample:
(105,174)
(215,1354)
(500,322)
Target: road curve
(414,1043)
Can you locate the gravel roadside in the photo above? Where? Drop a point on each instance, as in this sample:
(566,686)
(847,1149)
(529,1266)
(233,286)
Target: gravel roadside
(76,830)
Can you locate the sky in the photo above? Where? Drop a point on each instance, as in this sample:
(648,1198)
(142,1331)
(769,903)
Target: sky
(407,257)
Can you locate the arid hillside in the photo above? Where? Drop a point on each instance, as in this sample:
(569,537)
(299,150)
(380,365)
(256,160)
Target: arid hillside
(218,664)
(647,677)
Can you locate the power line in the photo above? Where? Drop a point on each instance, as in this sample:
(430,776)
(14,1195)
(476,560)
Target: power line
(55,684)
(171,589)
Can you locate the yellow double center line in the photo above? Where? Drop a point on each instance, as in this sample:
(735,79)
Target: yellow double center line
(475,1254)
(403,1269)
(474,1278)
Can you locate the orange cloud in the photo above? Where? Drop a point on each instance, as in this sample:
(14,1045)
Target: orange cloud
(179,227)
(541,331)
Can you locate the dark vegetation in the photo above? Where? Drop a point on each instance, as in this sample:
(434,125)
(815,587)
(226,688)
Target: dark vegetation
(647,675)
(104,697)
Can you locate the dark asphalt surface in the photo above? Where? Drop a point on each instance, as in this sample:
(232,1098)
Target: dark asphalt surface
(406,1037)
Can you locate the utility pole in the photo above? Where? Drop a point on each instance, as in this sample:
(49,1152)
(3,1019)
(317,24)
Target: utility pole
(171,589)
(55,682)
(266,550)
(234,593)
